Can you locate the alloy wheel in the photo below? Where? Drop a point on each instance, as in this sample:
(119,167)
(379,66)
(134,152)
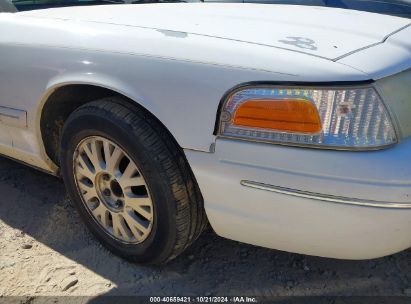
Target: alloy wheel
(113,189)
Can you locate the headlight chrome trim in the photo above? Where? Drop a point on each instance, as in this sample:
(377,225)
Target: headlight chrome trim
(334,85)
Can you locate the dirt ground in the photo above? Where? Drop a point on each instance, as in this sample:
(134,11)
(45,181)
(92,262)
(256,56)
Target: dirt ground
(46,250)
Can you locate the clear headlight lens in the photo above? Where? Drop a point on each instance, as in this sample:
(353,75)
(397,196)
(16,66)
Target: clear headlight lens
(344,118)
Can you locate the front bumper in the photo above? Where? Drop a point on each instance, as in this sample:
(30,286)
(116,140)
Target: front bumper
(305,223)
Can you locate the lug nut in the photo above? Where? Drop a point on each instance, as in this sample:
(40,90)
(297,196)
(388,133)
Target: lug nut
(106,177)
(119,203)
(107,192)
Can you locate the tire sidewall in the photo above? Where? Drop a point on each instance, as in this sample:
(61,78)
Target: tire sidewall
(83,124)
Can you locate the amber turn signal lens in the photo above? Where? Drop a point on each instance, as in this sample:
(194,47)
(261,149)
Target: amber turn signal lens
(288,115)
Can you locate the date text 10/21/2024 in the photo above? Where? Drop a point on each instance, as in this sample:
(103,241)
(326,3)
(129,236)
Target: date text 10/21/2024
(205,299)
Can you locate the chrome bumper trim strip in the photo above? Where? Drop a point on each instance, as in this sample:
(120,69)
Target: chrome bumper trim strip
(325,197)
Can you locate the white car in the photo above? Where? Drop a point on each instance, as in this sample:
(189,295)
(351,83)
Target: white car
(286,127)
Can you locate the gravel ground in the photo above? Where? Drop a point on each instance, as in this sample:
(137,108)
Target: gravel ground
(46,250)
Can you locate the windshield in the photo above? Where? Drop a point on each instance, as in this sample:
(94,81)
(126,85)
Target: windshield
(401,8)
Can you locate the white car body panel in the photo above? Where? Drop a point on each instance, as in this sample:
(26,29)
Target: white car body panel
(266,25)
(91,50)
(180,68)
(398,44)
(305,225)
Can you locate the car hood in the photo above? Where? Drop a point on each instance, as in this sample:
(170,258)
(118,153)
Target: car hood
(323,32)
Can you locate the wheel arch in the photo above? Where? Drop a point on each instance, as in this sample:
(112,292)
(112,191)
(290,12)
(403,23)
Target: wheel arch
(62,99)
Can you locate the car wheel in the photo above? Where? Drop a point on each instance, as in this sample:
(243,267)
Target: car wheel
(130,181)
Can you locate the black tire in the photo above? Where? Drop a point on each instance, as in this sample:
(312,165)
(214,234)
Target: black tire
(179,216)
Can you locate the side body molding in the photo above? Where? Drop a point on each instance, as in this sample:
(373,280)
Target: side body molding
(13,117)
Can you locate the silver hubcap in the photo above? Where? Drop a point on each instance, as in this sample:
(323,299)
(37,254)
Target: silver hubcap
(113,189)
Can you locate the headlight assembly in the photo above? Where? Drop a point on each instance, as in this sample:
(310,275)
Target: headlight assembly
(334,118)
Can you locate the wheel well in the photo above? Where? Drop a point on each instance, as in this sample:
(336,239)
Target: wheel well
(59,105)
